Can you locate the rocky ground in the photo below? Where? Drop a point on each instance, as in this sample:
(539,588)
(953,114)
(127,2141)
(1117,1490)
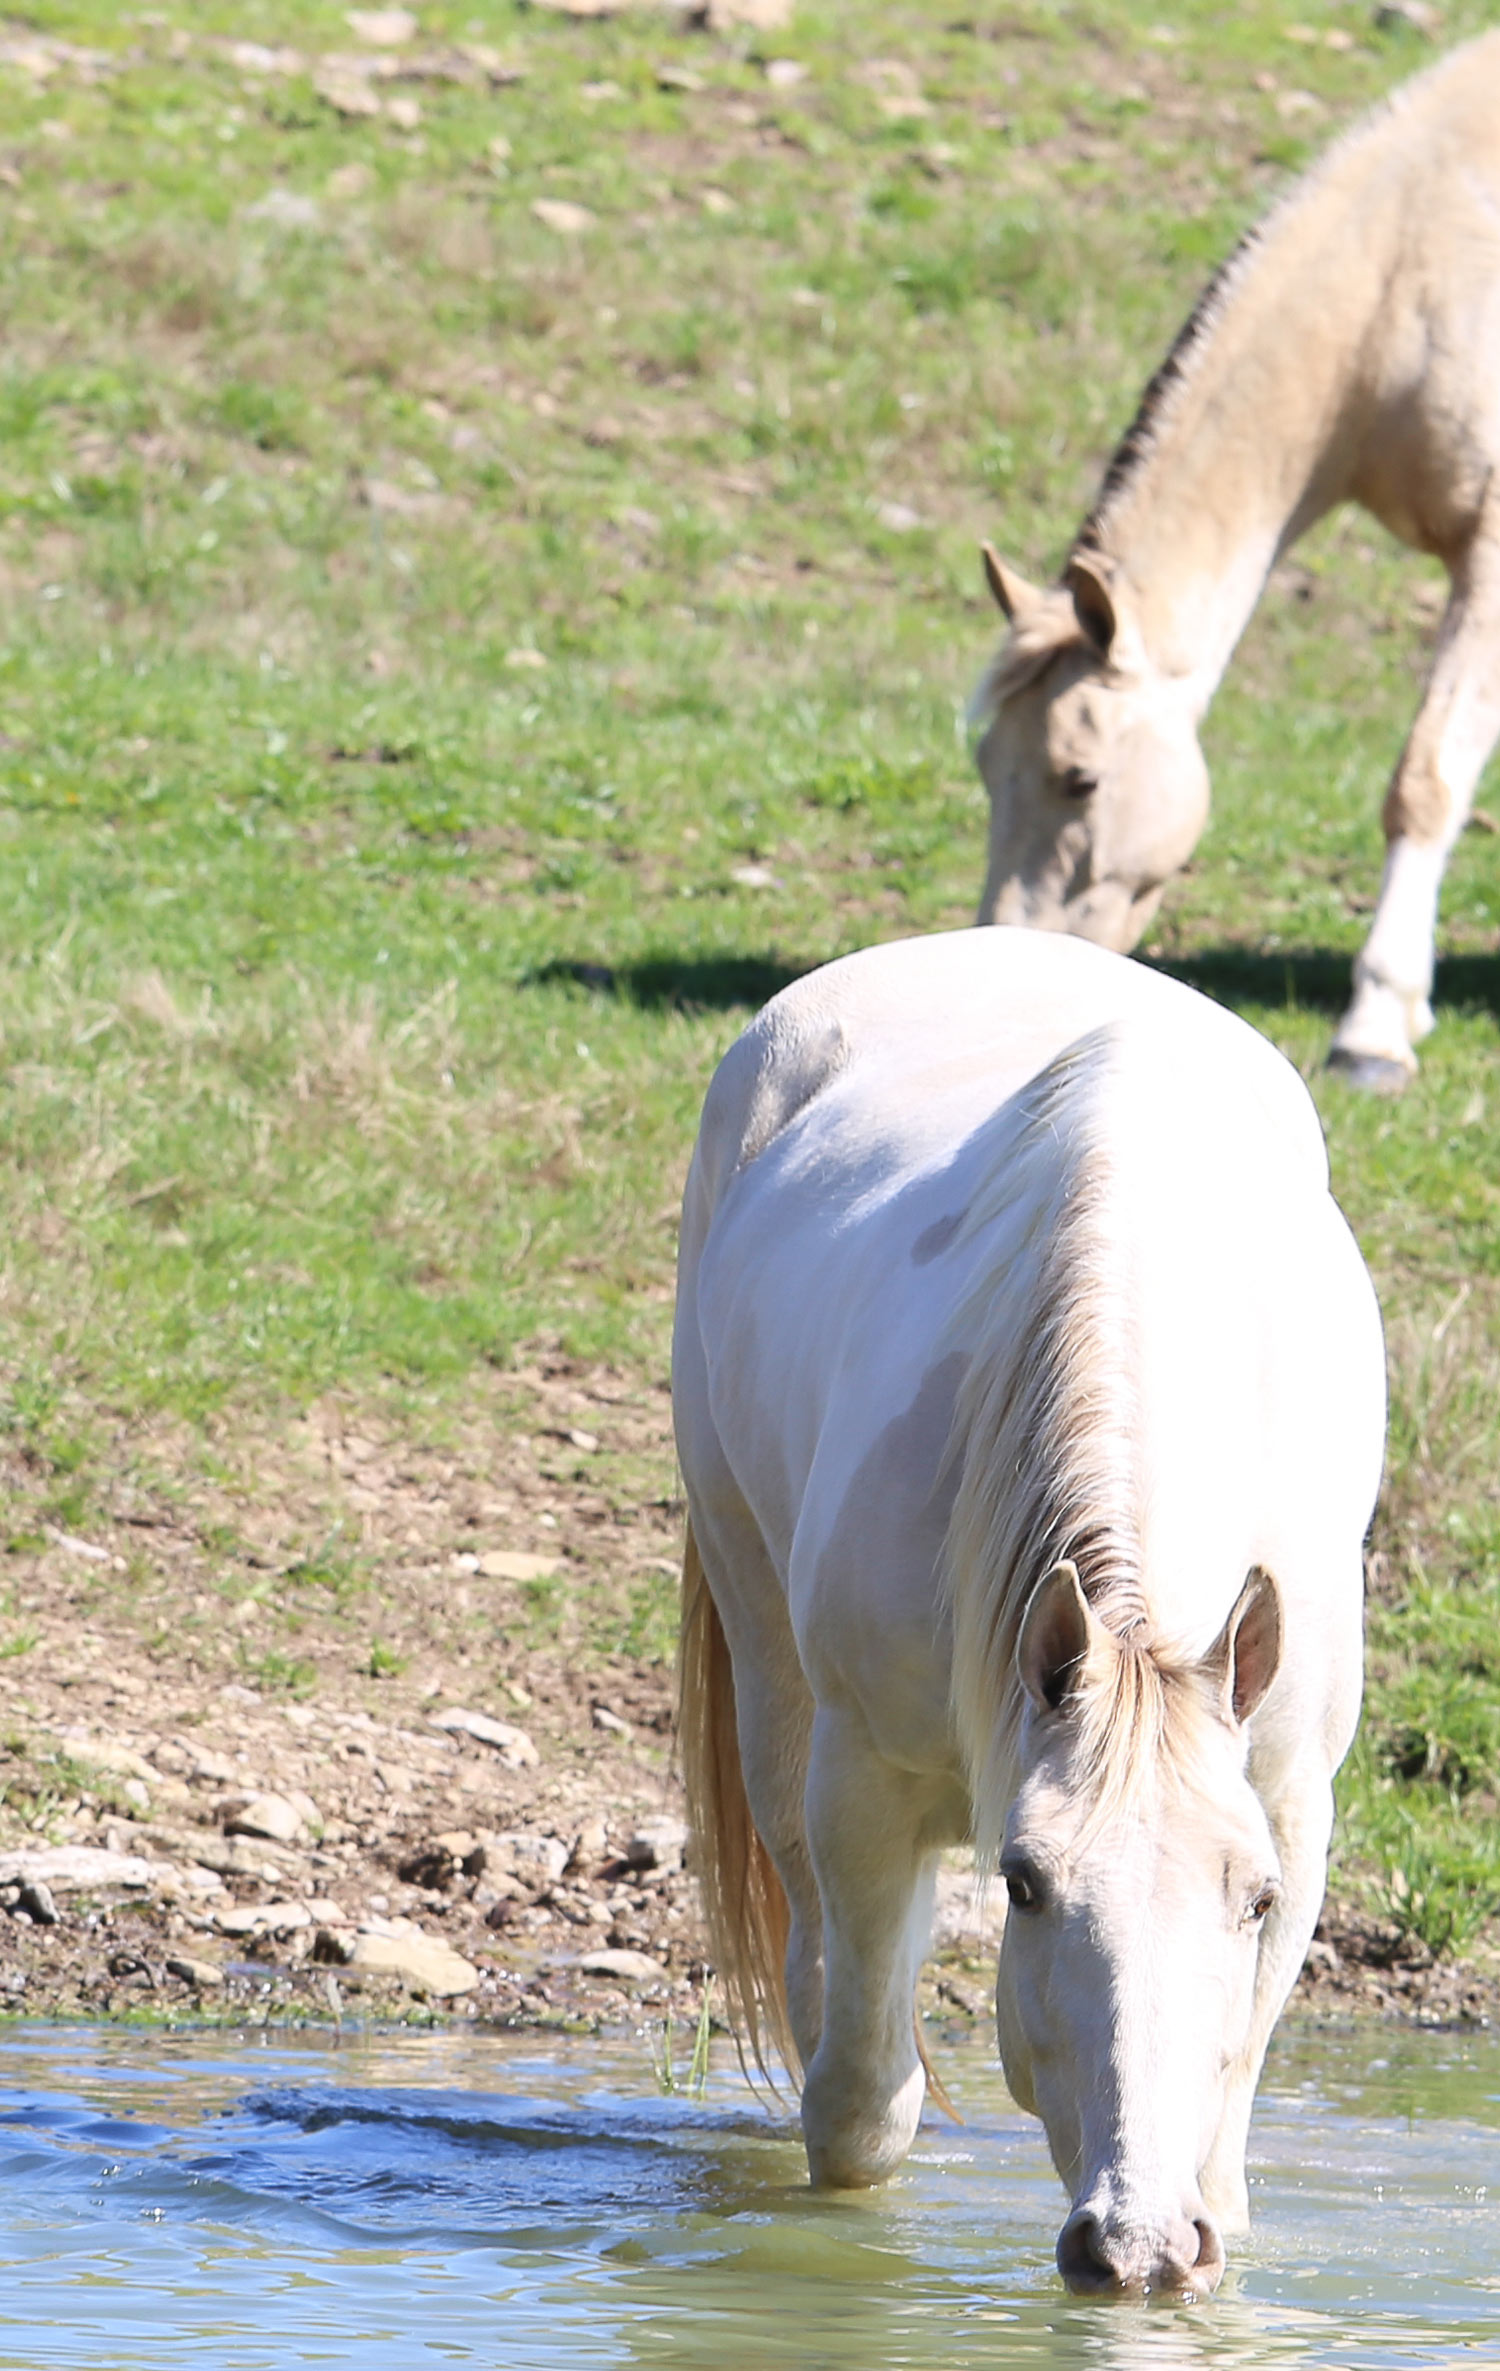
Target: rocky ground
(426,1772)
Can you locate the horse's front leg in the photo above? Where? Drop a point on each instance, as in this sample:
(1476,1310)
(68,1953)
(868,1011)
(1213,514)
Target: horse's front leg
(867,1825)
(1425,810)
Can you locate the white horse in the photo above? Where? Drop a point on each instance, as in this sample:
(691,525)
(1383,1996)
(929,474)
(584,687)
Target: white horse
(1030,1400)
(1348,352)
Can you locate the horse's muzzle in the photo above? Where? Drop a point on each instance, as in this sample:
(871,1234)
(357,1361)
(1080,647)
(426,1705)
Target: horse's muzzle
(1099,2258)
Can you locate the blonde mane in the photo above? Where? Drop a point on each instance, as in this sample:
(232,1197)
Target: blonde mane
(1046,1441)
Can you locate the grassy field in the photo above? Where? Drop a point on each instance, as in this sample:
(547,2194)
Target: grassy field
(488,590)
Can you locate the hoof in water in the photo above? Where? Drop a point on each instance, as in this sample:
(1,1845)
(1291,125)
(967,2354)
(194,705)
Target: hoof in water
(1375,1073)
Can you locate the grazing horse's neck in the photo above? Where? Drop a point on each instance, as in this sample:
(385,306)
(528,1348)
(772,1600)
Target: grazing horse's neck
(1248,433)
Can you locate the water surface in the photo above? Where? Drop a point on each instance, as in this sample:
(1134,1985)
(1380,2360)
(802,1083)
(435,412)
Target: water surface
(233,2203)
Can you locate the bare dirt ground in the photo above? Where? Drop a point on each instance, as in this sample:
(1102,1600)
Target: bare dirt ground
(422,1767)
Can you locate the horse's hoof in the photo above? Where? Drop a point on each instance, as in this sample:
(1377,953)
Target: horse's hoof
(1377,1074)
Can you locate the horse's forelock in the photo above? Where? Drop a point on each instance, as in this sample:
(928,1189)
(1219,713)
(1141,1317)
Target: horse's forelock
(1140,1718)
(1033,642)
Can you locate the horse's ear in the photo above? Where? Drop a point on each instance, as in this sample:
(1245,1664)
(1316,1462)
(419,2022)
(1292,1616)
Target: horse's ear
(1089,577)
(1054,1637)
(1245,1657)
(1013,595)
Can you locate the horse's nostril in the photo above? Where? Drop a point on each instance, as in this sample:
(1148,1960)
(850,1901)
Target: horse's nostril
(1208,2267)
(1081,2257)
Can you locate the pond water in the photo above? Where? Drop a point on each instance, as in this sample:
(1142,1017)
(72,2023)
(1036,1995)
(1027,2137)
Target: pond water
(248,2202)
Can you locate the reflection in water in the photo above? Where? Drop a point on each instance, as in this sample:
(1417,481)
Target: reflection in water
(467,2200)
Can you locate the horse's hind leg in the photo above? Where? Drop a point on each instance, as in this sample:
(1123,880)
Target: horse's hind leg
(869,1826)
(1425,810)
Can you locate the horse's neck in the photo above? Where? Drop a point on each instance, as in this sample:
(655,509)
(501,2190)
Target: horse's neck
(1252,438)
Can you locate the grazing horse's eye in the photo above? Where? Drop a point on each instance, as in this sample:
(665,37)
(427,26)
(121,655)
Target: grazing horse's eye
(1023,1884)
(1077,783)
(1261,1903)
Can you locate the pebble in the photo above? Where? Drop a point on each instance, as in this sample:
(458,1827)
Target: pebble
(510,1743)
(658,1844)
(416,1959)
(75,1868)
(275,1818)
(200,1973)
(36,1900)
(632,1967)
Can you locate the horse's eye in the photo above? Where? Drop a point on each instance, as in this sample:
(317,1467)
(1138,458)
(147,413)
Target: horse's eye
(1261,1905)
(1023,1885)
(1077,783)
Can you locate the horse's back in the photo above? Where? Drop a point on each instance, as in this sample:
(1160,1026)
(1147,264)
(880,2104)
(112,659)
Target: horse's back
(865,1149)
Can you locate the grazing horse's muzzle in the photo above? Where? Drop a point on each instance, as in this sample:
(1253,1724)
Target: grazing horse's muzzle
(1103,2257)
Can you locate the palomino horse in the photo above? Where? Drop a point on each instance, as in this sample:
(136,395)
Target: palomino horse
(1030,1401)
(1349,351)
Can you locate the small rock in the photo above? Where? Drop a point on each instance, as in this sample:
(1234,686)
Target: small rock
(784,74)
(678,78)
(658,1844)
(405,114)
(517,1852)
(136,1791)
(525,657)
(346,92)
(632,1967)
(611,1721)
(418,1960)
(200,1973)
(350,181)
(35,1899)
(510,1743)
(107,1753)
(510,1564)
(757,16)
(382,28)
(273,1817)
(562,215)
(899,517)
(271,1918)
(75,1868)
(590,1847)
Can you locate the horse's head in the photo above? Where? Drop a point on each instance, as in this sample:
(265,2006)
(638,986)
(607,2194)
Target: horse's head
(1098,790)
(1140,1869)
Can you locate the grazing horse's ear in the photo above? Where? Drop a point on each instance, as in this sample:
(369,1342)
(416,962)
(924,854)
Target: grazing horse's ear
(1244,1658)
(1089,578)
(1054,1640)
(1013,595)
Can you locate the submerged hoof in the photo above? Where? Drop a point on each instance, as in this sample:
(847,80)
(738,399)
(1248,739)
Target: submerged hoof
(1377,1074)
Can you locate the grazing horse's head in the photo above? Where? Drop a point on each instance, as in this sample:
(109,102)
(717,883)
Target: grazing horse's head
(1098,790)
(1140,1870)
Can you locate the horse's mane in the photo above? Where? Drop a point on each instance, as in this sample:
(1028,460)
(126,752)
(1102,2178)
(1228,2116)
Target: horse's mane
(1046,1441)
(1054,626)
(1164,389)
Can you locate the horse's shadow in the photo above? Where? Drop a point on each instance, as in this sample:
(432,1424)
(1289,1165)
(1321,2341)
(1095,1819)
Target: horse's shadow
(1312,979)
(679,983)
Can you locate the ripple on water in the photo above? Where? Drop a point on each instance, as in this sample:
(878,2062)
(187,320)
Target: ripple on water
(464,2199)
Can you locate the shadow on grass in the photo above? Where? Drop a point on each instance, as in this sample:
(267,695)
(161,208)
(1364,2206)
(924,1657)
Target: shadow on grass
(681,983)
(1317,981)
(1310,978)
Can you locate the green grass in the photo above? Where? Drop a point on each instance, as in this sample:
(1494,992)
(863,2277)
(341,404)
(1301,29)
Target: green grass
(450,671)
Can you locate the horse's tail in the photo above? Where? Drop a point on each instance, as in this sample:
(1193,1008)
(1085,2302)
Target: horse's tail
(744,1905)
